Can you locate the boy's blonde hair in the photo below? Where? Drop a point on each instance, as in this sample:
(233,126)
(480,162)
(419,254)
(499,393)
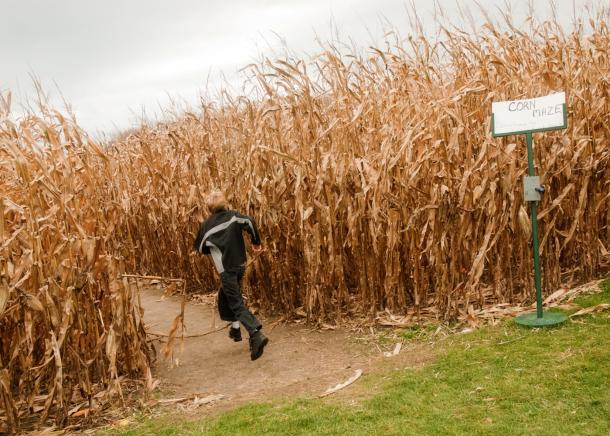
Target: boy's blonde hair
(216,200)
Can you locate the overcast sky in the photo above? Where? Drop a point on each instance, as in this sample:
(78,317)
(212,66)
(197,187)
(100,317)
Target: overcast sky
(110,59)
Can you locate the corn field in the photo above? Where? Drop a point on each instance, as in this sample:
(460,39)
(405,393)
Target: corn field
(374,179)
(71,325)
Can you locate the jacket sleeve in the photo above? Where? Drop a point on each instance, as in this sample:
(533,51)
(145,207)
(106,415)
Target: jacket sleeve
(197,245)
(249,225)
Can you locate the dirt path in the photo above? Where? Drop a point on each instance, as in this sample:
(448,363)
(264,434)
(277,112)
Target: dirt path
(297,360)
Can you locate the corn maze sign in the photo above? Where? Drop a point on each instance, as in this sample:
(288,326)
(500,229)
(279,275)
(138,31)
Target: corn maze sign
(532,115)
(528,117)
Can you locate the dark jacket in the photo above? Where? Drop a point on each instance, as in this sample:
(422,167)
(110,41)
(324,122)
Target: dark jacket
(221,237)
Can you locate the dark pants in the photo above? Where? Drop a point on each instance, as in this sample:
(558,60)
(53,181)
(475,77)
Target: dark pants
(231,305)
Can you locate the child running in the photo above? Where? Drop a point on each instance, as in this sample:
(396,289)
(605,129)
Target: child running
(220,236)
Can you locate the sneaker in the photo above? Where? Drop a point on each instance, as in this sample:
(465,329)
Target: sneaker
(257,344)
(235,334)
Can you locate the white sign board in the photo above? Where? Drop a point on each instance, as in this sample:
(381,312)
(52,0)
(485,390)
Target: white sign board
(535,114)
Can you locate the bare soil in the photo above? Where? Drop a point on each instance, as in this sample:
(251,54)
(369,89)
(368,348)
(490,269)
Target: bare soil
(298,361)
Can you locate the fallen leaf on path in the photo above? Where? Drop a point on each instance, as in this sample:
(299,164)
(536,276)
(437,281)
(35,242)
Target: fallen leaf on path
(207,400)
(81,413)
(197,401)
(172,400)
(76,408)
(555,295)
(340,386)
(170,290)
(77,411)
(396,350)
(568,306)
(121,422)
(397,324)
(592,309)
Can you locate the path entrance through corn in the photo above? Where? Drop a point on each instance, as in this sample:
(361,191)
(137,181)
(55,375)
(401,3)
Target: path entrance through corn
(298,360)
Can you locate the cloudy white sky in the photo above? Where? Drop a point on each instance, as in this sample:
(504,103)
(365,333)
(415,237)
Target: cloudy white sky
(113,59)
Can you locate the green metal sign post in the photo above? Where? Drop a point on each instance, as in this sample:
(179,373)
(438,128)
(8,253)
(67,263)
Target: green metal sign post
(527,117)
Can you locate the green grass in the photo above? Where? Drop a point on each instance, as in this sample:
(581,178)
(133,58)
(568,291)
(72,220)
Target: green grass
(595,299)
(417,333)
(498,380)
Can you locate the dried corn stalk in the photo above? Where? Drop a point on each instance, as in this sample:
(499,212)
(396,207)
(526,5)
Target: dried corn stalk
(376,181)
(71,326)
